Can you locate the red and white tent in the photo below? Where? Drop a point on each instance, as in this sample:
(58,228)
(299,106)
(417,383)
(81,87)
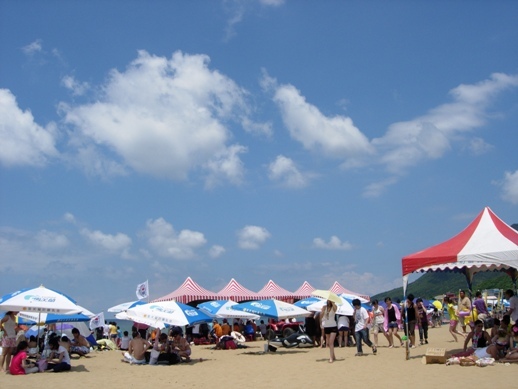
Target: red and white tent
(236,292)
(486,244)
(189,291)
(303,291)
(273,291)
(339,289)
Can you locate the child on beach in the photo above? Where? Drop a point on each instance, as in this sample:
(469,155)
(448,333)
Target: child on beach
(454,320)
(19,363)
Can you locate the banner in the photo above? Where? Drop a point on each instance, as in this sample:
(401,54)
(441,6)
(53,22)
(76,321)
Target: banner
(142,290)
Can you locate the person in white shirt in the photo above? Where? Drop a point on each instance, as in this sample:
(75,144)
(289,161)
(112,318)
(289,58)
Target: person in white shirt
(513,305)
(124,345)
(361,320)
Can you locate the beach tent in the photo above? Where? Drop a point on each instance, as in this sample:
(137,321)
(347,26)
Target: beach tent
(304,290)
(487,244)
(189,291)
(339,289)
(273,291)
(236,292)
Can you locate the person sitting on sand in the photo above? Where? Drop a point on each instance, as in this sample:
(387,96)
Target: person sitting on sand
(512,353)
(124,344)
(136,354)
(33,351)
(79,344)
(225,328)
(478,336)
(19,363)
(392,322)
(181,346)
(59,359)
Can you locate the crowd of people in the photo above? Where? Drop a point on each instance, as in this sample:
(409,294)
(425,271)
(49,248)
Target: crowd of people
(484,335)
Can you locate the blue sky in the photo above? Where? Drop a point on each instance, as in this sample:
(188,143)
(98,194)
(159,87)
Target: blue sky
(256,140)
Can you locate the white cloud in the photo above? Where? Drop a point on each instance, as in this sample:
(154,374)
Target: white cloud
(115,243)
(430,136)
(216,251)
(77,88)
(335,137)
(34,47)
(478,146)
(376,189)
(226,166)
(69,218)
(49,240)
(164,240)
(24,142)
(510,187)
(274,3)
(284,171)
(334,244)
(163,117)
(252,237)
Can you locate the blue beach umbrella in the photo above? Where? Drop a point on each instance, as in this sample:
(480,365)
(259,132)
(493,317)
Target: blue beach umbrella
(125,306)
(304,303)
(272,308)
(224,309)
(162,313)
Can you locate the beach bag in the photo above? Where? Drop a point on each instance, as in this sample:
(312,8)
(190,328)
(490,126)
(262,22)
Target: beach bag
(489,322)
(230,345)
(42,365)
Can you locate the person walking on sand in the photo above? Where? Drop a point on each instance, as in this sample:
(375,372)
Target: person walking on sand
(422,320)
(454,321)
(378,321)
(361,320)
(330,327)
(392,322)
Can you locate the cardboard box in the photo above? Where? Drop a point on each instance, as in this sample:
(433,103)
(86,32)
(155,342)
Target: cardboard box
(436,355)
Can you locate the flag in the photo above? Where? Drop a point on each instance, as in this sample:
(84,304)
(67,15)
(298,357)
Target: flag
(97,321)
(142,290)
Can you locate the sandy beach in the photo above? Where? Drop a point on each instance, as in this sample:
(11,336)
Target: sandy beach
(286,368)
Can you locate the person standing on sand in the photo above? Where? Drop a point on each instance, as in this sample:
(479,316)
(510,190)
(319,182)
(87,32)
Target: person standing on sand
(8,325)
(463,310)
(392,322)
(410,309)
(330,327)
(136,354)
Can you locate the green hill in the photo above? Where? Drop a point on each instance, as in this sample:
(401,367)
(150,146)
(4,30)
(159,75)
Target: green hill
(434,284)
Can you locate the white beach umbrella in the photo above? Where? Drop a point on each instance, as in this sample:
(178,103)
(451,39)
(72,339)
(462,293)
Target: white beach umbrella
(39,300)
(161,313)
(223,309)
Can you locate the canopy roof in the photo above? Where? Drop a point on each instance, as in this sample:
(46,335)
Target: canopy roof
(486,244)
(339,289)
(189,291)
(304,290)
(274,291)
(236,292)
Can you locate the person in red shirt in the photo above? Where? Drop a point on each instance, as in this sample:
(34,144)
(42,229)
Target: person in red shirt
(19,363)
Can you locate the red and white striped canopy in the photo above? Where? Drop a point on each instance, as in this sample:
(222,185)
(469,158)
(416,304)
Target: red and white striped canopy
(304,291)
(189,291)
(274,291)
(486,244)
(236,292)
(339,289)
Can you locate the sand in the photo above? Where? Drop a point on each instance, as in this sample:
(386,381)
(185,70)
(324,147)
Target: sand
(286,368)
